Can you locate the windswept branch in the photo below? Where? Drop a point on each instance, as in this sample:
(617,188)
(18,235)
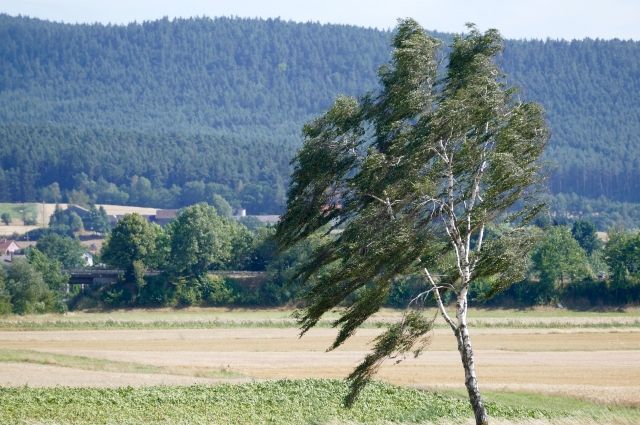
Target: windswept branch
(436,293)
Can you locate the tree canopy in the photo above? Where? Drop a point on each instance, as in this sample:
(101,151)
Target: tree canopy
(409,177)
(199,240)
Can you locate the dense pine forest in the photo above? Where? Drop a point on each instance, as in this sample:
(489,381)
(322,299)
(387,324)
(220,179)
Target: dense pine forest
(172,112)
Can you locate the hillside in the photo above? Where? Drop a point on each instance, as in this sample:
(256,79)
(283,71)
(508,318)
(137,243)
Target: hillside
(171,112)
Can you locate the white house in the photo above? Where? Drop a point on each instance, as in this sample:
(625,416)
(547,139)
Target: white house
(88,259)
(8,249)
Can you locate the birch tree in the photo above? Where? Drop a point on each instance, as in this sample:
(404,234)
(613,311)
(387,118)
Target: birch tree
(412,176)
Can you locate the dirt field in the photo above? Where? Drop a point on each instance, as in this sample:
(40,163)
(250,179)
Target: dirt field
(599,364)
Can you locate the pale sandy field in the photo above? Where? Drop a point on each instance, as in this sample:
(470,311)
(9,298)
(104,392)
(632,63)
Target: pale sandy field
(600,364)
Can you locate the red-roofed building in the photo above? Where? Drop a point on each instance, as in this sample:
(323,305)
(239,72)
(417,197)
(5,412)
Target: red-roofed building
(164,217)
(7,249)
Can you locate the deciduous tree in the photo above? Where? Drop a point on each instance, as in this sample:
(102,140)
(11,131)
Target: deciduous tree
(412,175)
(132,246)
(67,251)
(199,239)
(558,258)
(585,233)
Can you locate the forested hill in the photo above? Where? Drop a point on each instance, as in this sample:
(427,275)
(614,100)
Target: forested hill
(165,113)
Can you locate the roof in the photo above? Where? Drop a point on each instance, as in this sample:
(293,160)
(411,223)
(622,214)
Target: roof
(269,219)
(166,214)
(5,244)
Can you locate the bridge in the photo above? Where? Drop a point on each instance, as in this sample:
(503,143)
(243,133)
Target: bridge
(98,277)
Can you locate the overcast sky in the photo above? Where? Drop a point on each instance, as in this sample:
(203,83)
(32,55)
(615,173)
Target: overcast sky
(566,19)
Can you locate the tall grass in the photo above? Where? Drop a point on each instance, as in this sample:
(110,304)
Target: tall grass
(11,324)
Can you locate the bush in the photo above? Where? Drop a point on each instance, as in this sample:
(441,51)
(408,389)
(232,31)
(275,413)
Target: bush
(215,291)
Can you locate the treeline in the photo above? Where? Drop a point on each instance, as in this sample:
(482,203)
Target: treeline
(570,266)
(586,89)
(172,103)
(61,164)
(221,102)
(603,212)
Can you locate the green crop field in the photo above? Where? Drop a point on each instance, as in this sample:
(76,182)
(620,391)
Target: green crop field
(274,402)
(283,402)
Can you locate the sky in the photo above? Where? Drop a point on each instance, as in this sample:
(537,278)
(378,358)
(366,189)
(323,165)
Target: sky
(541,19)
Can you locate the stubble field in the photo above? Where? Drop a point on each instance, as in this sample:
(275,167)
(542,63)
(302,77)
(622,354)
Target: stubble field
(521,355)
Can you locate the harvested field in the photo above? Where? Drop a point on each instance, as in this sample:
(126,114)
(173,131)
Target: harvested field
(599,363)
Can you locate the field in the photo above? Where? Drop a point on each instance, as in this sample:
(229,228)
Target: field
(548,365)
(42,213)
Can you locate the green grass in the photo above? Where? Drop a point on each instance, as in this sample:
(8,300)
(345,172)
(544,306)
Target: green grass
(79,362)
(16,211)
(557,406)
(214,318)
(272,402)
(91,363)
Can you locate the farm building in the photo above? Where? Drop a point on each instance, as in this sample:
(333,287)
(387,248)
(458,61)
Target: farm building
(164,217)
(8,249)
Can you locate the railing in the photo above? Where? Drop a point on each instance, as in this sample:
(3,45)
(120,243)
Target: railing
(104,276)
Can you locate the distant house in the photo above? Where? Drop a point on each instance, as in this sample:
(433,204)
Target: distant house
(164,217)
(8,249)
(88,259)
(82,212)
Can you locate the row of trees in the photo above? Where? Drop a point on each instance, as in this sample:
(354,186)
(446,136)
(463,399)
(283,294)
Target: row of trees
(128,167)
(197,241)
(568,266)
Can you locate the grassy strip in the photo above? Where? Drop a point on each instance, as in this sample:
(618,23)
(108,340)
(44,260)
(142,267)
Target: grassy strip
(272,402)
(559,406)
(91,363)
(40,325)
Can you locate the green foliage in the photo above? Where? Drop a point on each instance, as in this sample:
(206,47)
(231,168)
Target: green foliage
(97,220)
(5,297)
(143,137)
(558,259)
(222,206)
(273,402)
(622,254)
(132,239)
(6,218)
(603,212)
(203,291)
(132,246)
(585,233)
(68,251)
(28,291)
(399,339)
(54,278)
(145,123)
(409,178)
(51,193)
(199,240)
(65,222)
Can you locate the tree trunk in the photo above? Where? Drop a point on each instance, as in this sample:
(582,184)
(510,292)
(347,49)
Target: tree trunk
(470,380)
